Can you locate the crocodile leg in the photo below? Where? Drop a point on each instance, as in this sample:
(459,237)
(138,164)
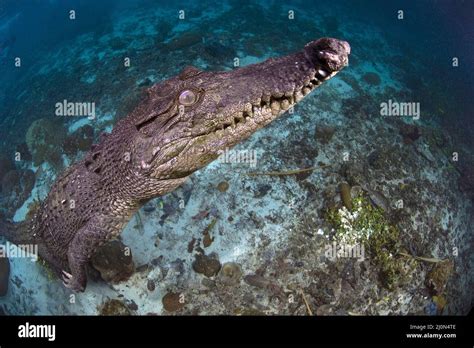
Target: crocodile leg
(85,242)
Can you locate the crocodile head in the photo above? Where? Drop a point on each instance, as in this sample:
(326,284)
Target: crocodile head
(189,120)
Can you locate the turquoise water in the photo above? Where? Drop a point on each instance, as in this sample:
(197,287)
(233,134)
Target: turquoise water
(421,55)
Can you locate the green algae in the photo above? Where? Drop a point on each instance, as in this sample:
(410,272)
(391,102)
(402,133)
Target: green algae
(368,225)
(114,307)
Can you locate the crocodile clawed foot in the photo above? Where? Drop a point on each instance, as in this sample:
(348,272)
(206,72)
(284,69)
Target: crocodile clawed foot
(70,282)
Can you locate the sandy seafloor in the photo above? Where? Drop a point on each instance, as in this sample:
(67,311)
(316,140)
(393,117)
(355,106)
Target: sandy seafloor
(273,227)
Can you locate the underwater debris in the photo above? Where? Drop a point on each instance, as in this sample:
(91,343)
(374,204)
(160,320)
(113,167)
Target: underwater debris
(169,206)
(289,172)
(139,225)
(114,307)
(207,265)
(150,285)
(378,199)
(223,186)
(438,277)
(191,245)
(157,241)
(230,273)
(114,262)
(324,133)
(308,307)
(371,78)
(158,272)
(202,214)
(249,312)
(345,191)
(173,301)
(261,282)
(132,305)
(207,239)
(262,190)
(4,275)
(425,259)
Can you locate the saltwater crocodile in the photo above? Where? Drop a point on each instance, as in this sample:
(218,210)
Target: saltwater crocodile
(182,124)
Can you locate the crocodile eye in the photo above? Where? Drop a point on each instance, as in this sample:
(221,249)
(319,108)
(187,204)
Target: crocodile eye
(187,98)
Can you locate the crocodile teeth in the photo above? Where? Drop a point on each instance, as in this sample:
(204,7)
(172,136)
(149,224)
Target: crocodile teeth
(306,90)
(275,106)
(285,104)
(248,107)
(298,96)
(278,94)
(322,73)
(238,118)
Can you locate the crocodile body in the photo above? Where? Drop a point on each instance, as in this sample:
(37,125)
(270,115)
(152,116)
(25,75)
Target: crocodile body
(182,124)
